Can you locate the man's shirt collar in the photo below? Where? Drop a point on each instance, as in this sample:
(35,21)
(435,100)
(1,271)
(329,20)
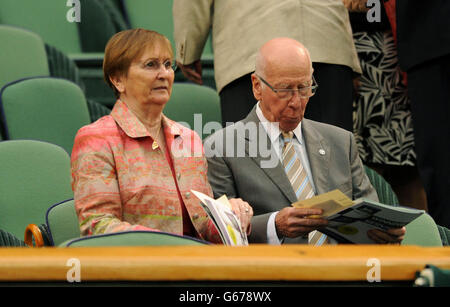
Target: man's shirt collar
(273,129)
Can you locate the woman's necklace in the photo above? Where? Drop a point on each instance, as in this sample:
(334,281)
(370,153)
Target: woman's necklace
(155,143)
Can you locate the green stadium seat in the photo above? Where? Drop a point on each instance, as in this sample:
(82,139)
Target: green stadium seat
(189,99)
(47,18)
(22,55)
(384,190)
(423,231)
(9,240)
(133,238)
(45,109)
(62,222)
(64,231)
(101,20)
(33,176)
(83,42)
(99,98)
(432,276)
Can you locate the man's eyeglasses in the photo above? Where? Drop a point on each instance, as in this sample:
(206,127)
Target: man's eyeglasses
(156,65)
(288,93)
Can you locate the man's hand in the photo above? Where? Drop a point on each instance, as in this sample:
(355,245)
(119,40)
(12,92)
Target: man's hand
(356,5)
(391,236)
(192,71)
(293,222)
(244,212)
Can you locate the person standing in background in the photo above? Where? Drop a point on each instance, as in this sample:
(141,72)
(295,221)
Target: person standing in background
(383,125)
(240,28)
(423,34)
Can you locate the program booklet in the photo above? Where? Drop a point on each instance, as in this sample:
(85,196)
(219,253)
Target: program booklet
(350,220)
(226,222)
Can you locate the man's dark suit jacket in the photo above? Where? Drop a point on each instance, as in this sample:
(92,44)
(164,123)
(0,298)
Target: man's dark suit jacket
(332,154)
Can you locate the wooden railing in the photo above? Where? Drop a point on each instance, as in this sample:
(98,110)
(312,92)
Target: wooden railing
(219,263)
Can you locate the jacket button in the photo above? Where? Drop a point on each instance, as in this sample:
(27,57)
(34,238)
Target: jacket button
(195,216)
(178,176)
(188,194)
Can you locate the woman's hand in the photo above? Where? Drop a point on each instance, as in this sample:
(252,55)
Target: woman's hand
(244,212)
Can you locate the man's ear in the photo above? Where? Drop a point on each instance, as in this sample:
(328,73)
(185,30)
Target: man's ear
(118,83)
(256,86)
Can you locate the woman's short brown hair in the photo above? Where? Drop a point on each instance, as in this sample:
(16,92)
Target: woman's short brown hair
(126,46)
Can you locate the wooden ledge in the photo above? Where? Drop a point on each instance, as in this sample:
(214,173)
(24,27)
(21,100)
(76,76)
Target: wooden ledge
(220,263)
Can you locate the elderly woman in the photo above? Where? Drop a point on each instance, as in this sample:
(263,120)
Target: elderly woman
(135,168)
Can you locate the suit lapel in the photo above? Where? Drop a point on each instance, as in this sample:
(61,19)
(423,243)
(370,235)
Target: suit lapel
(318,152)
(276,174)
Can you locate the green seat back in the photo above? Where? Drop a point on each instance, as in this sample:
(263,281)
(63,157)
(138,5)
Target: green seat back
(7,239)
(46,109)
(47,18)
(156,15)
(423,231)
(432,276)
(133,238)
(62,222)
(22,55)
(445,235)
(384,190)
(101,19)
(188,99)
(33,176)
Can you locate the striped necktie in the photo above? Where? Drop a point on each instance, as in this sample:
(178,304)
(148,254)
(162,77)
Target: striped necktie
(299,180)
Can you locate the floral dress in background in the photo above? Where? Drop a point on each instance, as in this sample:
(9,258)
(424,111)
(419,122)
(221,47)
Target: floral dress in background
(382,118)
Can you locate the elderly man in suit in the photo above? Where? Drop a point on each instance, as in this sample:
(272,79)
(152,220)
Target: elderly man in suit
(275,157)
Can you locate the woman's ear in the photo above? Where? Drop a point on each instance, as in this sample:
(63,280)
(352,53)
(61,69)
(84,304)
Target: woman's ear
(118,83)
(256,86)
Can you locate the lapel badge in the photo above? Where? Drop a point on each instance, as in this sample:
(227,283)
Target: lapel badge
(322,152)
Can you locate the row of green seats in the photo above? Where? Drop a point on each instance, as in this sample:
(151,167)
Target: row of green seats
(82,28)
(54,109)
(33,105)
